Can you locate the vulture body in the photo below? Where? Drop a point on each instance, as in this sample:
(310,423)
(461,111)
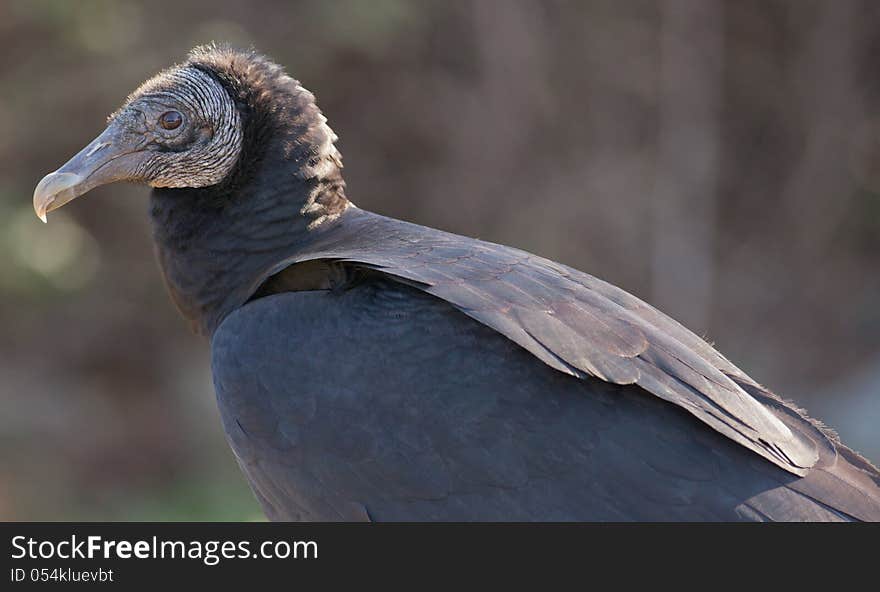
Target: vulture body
(371,369)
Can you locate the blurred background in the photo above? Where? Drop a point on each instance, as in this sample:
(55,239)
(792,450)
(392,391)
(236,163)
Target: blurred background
(718,159)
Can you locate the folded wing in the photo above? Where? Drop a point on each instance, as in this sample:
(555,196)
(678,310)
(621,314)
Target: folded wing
(570,320)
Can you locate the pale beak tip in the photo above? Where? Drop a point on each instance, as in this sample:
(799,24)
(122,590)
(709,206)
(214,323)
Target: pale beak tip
(41,208)
(55,190)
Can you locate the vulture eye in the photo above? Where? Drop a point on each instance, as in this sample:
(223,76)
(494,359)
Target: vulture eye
(170,120)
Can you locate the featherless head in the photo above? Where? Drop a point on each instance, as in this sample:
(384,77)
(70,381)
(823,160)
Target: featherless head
(208,123)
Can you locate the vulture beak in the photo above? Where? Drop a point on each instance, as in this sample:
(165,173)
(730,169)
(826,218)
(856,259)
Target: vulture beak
(109,157)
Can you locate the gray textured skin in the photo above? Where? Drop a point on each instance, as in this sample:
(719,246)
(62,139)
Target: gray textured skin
(380,402)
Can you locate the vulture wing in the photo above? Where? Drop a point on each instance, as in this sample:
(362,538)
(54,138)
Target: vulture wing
(570,320)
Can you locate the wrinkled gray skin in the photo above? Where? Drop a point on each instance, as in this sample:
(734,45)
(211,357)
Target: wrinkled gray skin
(371,369)
(135,147)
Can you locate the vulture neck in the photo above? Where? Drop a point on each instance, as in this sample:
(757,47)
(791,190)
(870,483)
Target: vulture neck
(215,245)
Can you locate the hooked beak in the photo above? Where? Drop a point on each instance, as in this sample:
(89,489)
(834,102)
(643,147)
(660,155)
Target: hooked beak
(109,157)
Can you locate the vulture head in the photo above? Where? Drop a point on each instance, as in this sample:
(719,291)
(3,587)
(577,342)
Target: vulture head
(205,124)
(239,157)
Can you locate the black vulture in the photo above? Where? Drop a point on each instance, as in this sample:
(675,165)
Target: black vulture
(367,368)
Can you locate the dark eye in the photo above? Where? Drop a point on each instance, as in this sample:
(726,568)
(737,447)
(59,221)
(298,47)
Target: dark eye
(170,120)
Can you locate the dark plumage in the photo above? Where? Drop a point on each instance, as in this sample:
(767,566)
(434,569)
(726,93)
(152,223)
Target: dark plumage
(368,368)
